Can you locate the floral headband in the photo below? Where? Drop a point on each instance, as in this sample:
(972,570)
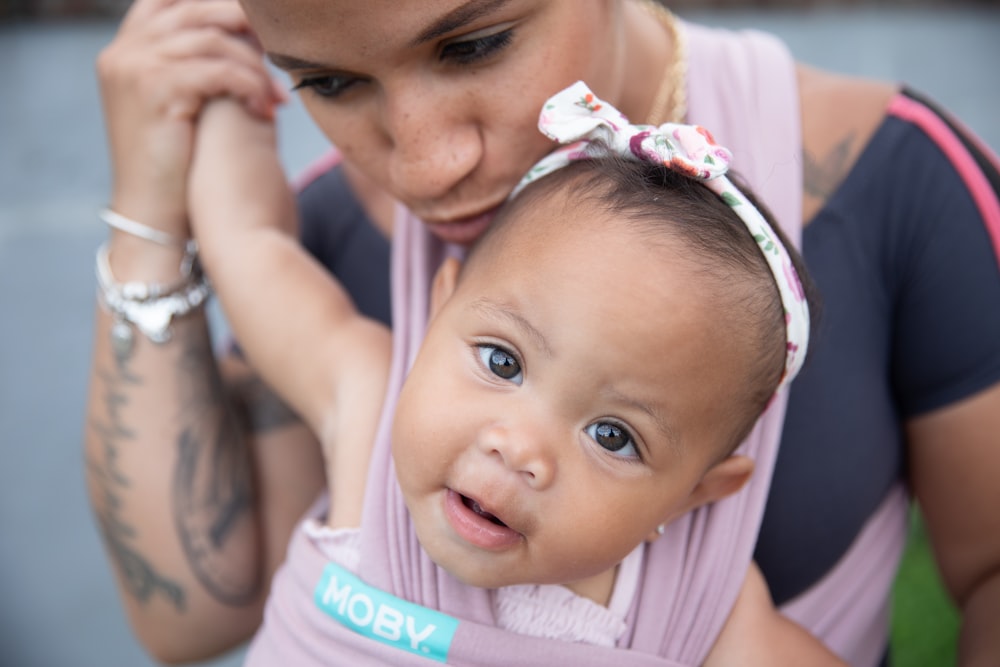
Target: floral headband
(593,128)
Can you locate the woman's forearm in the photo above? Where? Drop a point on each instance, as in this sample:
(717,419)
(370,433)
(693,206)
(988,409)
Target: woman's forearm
(979,642)
(175,478)
(171,485)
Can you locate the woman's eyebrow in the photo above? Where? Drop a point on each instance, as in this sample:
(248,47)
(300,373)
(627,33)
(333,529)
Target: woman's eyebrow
(457,18)
(291,63)
(453,20)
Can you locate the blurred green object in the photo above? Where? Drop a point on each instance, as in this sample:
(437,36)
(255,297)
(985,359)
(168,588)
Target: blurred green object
(924,620)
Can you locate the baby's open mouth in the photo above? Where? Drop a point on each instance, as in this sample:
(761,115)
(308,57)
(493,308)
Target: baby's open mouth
(478,509)
(478,526)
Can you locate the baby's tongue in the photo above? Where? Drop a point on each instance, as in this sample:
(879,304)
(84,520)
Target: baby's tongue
(477,508)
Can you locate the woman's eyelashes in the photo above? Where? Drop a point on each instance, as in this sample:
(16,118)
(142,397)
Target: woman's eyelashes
(329,86)
(472,51)
(615,439)
(462,52)
(500,362)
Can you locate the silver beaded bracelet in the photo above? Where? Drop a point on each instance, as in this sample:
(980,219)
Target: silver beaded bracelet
(148,307)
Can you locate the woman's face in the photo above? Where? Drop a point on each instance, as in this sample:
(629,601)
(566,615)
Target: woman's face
(438,100)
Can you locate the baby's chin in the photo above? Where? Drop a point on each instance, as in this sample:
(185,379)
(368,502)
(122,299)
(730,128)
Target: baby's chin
(480,573)
(468,566)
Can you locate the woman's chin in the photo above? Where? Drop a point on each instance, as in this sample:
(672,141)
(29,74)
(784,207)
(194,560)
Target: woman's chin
(463,232)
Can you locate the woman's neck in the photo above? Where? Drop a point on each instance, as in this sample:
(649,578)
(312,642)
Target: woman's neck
(647,60)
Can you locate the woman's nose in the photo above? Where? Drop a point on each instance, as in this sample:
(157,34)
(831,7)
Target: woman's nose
(436,142)
(522,450)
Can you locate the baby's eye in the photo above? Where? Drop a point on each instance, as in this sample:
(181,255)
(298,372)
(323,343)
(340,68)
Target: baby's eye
(613,438)
(501,363)
(330,86)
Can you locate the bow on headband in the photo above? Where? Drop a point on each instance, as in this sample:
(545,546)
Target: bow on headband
(591,128)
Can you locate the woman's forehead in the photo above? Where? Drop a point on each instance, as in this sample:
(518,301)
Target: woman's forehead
(400,22)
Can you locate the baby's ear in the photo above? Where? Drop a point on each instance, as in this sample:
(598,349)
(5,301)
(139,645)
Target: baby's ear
(723,479)
(444,284)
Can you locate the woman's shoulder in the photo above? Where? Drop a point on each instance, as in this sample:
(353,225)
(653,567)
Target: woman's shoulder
(839,116)
(888,127)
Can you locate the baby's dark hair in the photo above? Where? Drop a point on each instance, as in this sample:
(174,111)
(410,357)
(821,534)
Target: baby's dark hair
(662,201)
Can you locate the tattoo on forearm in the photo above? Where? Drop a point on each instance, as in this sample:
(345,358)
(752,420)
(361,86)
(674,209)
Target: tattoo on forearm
(139,577)
(822,175)
(263,410)
(213,485)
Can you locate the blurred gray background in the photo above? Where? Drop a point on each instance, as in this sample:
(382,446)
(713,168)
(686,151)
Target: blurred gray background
(58,605)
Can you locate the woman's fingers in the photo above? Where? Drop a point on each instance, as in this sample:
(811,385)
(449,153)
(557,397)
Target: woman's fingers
(141,10)
(211,63)
(161,31)
(204,79)
(167,60)
(152,17)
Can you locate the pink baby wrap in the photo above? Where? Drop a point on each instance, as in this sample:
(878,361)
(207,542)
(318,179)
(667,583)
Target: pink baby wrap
(742,87)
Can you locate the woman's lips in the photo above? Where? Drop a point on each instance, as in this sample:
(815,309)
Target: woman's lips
(476,526)
(464,231)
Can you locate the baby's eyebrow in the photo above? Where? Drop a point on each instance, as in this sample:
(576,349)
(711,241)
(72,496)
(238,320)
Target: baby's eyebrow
(662,423)
(501,312)
(457,18)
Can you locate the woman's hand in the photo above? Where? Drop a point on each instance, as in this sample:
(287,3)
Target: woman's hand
(168,58)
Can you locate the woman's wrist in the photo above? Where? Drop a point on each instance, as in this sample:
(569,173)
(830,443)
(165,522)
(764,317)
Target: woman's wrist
(135,259)
(148,305)
(163,207)
(143,252)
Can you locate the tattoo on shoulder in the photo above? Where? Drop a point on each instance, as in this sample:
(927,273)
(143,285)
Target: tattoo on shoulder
(823,174)
(213,486)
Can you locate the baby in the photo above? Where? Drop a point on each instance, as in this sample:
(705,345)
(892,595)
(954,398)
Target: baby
(588,371)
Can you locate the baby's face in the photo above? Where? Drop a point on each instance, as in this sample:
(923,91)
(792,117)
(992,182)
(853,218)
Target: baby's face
(569,396)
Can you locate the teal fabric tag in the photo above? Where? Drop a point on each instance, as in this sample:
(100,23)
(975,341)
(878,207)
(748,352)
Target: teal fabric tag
(385,618)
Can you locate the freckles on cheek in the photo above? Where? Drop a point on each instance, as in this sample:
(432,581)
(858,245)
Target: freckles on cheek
(341,131)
